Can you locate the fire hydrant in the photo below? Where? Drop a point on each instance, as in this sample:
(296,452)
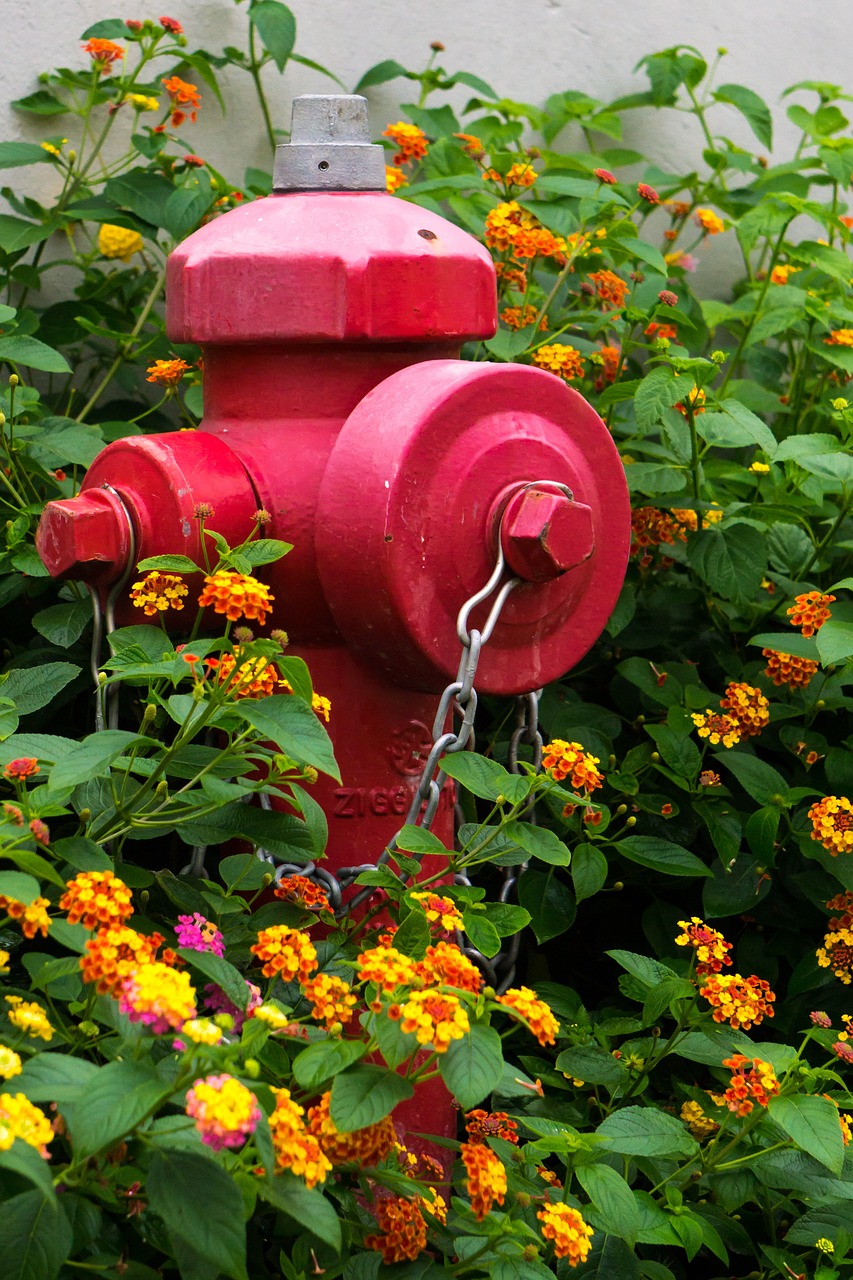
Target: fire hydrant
(331,316)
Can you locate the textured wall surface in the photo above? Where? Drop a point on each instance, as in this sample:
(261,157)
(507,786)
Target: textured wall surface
(527,49)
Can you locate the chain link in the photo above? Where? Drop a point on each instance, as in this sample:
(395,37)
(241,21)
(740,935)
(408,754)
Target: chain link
(104,622)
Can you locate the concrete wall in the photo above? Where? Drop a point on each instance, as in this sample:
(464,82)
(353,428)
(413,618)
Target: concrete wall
(527,49)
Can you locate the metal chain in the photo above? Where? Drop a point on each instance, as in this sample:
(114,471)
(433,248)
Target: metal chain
(106,701)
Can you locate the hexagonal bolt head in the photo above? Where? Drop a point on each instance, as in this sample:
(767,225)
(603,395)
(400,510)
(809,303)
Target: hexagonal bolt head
(544,533)
(85,538)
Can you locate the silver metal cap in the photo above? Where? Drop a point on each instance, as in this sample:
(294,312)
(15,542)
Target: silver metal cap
(330,147)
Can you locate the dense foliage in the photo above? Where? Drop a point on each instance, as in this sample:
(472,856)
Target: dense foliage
(698,765)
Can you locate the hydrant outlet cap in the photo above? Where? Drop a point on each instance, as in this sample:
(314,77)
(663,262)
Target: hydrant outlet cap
(330,147)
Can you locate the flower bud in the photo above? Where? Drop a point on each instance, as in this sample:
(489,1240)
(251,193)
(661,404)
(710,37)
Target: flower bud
(267,879)
(631,822)
(14,380)
(252,1068)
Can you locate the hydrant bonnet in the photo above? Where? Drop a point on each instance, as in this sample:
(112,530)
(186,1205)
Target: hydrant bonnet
(329,147)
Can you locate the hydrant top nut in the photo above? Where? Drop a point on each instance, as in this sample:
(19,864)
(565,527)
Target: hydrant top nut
(544,533)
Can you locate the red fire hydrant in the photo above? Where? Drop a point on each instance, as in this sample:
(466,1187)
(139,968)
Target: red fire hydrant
(331,316)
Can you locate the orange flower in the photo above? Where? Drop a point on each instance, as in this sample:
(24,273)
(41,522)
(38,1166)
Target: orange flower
(696,401)
(840,338)
(610,357)
(255,678)
(440,911)
(752,1079)
(742,1002)
(832,824)
(480,1125)
(32,916)
(707,778)
(302,892)
(513,277)
(562,760)
(486,1177)
(561,359)
(434,1019)
(645,192)
(748,707)
(610,288)
(387,968)
(295,1148)
(158,592)
(472,147)
(837,954)
(509,226)
(781,272)
(95,899)
(717,728)
(521,317)
(655,330)
(363,1147)
(527,1007)
(182,95)
(411,140)
(237,595)
(566,1227)
(710,946)
(331,999)
(286,953)
(842,902)
(677,208)
(605,176)
(167,373)
(710,222)
(444,965)
(114,954)
(103,53)
(394,180)
(402,1230)
(786,668)
(810,611)
(518,175)
(651,528)
(24,767)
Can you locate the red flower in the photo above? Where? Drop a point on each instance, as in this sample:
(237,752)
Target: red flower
(604,175)
(645,192)
(172,26)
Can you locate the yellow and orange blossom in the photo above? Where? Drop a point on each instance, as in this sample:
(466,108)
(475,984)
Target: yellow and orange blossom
(559,358)
(237,595)
(810,611)
(167,373)
(562,760)
(486,1177)
(832,824)
(566,1228)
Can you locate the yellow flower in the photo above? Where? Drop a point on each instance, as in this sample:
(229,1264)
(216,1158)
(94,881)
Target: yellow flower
(272,1016)
(562,760)
(286,953)
(10,1063)
(717,728)
(697,1122)
(143,101)
(20,1119)
(535,1012)
(486,1177)
(394,180)
(439,910)
(760,468)
(167,373)
(29,1018)
(158,996)
(237,595)
(96,899)
(202,1031)
(296,1149)
(559,358)
(832,824)
(119,242)
(710,222)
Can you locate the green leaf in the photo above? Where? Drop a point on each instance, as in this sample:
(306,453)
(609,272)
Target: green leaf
(305,1205)
(760,831)
(294,728)
(812,1123)
(178,1185)
(35,865)
(276,26)
(26,1162)
(550,902)
(484,777)
(115,1101)
(594,1065)
(758,779)
(413,935)
(82,854)
(649,254)
(731,560)
(823,1222)
(40,103)
(472,1067)
(481,933)
(753,109)
(106,29)
(322,1061)
(17,233)
(63,624)
(93,756)
(413,839)
(15,154)
(648,971)
(835,642)
(645,1131)
(266,550)
(539,842)
(612,1197)
(14,884)
(364,1095)
(661,855)
(589,871)
(185,209)
(735,427)
(658,391)
(168,564)
(31,352)
(834,262)
(380,73)
(794,643)
(679,752)
(55,1077)
(31,688)
(35,1237)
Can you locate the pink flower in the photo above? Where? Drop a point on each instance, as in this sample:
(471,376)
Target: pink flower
(217,1001)
(198,934)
